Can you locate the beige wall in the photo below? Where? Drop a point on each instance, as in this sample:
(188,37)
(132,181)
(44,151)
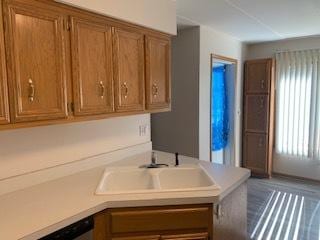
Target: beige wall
(31,149)
(268,50)
(159,15)
(225,45)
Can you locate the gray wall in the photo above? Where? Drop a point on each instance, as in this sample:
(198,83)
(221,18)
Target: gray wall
(178,130)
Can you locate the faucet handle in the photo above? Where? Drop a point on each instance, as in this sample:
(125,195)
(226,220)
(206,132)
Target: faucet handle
(154,158)
(177,159)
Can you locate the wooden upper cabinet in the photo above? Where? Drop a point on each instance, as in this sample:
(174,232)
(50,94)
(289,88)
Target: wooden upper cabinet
(91,43)
(4,104)
(128,70)
(36,62)
(157,73)
(258,74)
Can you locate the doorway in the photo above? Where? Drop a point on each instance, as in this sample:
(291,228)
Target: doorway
(222,117)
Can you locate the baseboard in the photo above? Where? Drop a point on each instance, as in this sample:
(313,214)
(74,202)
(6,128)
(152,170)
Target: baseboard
(30,179)
(283,175)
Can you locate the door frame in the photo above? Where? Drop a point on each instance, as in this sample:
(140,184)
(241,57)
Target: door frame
(214,57)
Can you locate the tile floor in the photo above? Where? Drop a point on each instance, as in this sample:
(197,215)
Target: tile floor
(283,209)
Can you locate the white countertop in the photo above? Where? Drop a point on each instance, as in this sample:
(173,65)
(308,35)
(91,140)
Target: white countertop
(36,211)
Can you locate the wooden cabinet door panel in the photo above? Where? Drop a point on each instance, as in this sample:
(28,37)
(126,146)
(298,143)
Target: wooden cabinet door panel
(258,73)
(194,236)
(4,104)
(155,237)
(128,70)
(37,62)
(92,67)
(257,113)
(256,152)
(157,73)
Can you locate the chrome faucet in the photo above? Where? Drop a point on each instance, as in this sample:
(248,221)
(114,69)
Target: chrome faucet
(154,163)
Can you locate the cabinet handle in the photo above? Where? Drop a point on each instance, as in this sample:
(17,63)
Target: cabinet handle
(31,90)
(102,87)
(154,90)
(261,142)
(261,102)
(126,89)
(262,84)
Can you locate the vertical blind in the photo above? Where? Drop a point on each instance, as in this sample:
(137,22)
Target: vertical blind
(298,104)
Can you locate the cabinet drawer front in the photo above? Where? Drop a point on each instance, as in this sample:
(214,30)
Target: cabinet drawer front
(195,236)
(37,64)
(257,113)
(92,67)
(160,220)
(257,76)
(256,152)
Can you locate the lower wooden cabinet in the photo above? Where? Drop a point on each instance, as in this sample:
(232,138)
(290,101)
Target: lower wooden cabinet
(188,222)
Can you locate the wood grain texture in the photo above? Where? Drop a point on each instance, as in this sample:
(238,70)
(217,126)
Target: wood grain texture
(255,152)
(158,72)
(166,222)
(194,236)
(4,103)
(36,52)
(128,70)
(256,113)
(258,75)
(92,67)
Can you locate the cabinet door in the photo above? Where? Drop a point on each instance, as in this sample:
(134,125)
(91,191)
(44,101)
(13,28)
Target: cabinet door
(257,76)
(4,105)
(157,73)
(257,113)
(37,75)
(155,237)
(194,236)
(128,70)
(256,152)
(92,67)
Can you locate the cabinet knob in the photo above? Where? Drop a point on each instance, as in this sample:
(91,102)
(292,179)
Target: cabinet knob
(260,142)
(261,102)
(125,90)
(31,90)
(102,89)
(262,84)
(154,90)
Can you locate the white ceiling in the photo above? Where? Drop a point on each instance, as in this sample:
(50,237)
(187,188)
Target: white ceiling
(253,20)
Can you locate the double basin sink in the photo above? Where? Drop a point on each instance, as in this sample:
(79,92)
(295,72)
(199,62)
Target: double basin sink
(130,180)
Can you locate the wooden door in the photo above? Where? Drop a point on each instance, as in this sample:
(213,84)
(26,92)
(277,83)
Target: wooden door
(36,62)
(257,113)
(256,152)
(4,104)
(257,76)
(157,73)
(194,236)
(128,70)
(91,43)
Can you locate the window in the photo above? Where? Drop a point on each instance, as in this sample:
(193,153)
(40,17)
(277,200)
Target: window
(298,104)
